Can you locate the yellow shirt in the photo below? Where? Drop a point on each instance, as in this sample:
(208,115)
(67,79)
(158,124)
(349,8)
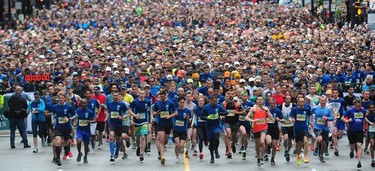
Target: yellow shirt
(128,98)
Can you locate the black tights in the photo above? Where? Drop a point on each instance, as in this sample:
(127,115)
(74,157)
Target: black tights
(202,136)
(214,143)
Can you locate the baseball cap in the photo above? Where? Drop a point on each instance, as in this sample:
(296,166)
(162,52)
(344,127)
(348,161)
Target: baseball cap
(123,86)
(226,64)
(236,63)
(258,79)
(108,69)
(69,87)
(242,81)
(251,79)
(97,89)
(36,94)
(190,80)
(169,77)
(146,86)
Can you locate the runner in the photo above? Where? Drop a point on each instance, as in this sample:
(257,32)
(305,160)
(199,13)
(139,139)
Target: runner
(339,106)
(36,108)
(244,126)
(85,117)
(95,107)
(273,132)
(152,99)
(101,116)
(62,112)
(259,114)
(200,126)
(211,113)
(234,109)
(192,132)
(321,114)
(312,101)
(116,112)
(140,109)
(182,118)
(370,119)
(165,109)
(300,117)
(287,126)
(354,117)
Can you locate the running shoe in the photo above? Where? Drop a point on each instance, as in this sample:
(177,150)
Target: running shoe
(305,160)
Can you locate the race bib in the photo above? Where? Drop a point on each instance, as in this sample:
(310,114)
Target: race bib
(301,117)
(261,121)
(230,112)
(61,120)
(36,111)
(180,123)
(83,123)
(371,129)
(114,115)
(337,115)
(358,115)
(142,115)
(164,114)
(213,116)
(242,118)
(320,121)
(271,121)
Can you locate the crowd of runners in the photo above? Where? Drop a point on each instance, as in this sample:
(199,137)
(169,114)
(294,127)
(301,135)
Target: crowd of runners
(126,72)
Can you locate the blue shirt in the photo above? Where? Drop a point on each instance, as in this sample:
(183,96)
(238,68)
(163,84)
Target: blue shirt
(39,107)
(198,113)
(366,104)
(319,112)
(93,104)
(84,115)
(301,117)
(212,115)
(165,108)
(116,109)
(358,119)
(141,108)
(61,111)
(275,113)
(180,121)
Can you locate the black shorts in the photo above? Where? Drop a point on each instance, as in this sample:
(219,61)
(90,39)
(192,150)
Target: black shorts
(117,129)
(126,129)
(289,131)
(274,132)
(300,135)
(355,137)
(181,135)
(247,127)
(233,127)
(100,126)
(324,134)
(48,124)
(258,134)
(63,133)
(166,129)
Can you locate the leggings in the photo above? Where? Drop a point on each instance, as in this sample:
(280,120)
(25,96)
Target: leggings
(38,127)
(202,135)
(214,142)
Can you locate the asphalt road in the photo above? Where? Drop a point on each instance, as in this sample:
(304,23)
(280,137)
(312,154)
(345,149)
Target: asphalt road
(23,159)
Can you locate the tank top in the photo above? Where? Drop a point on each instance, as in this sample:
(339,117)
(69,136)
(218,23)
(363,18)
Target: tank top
(286,111)
(261,124)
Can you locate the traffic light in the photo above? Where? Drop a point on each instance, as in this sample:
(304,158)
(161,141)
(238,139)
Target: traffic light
(359,9)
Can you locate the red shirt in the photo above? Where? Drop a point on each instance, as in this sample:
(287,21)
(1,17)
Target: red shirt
(279,99)
(101,98)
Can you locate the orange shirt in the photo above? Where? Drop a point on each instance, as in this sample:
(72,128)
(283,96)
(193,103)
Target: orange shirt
(261,124)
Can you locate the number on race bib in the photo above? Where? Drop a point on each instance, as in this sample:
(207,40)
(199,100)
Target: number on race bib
(242,118)
(61,120)
(358,115)
(230,112)
(164,114)
(301,117)
(142,115)
(271,121)
(320,121)
(371,129)
(114,115)
(83,123)
(180,123)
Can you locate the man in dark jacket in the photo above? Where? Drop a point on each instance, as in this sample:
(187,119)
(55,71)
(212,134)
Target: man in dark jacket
(17,107)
